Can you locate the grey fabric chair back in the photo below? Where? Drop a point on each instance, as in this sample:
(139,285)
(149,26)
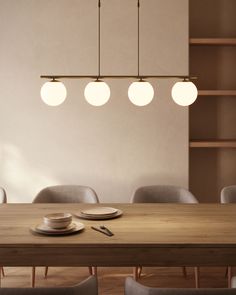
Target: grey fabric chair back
(3,196)
(163,194)
(228,194)
(67,194)
(233,282)
(134,288)
(87,287)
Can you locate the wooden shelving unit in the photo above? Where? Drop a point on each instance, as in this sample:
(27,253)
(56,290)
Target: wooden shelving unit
(212,118)
(213,41)
(217,92)
(214,143)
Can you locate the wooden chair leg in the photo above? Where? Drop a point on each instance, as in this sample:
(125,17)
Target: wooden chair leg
(197,278)
(33,277)
(90,270)
(184,270)
(135,273)
(229,276)
(3,273)
(46,271)
(139,271)
(226,272)
(94,271)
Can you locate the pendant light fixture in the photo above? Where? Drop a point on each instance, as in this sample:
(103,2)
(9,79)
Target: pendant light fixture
(141,92)
(53,92)
(184,93)
(97,92)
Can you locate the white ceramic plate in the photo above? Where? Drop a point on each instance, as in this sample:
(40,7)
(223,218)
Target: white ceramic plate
(45,230)
(97,217)
(99,211)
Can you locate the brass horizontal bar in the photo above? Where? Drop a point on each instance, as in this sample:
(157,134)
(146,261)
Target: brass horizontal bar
(115,77)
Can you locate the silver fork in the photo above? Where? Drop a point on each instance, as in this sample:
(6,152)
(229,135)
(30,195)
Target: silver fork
(103,227)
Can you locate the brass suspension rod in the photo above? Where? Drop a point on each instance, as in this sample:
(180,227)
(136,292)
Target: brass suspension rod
(53,77)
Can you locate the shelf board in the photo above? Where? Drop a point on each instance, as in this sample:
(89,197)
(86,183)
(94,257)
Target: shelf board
(212,41)
(217,92)
(217,143)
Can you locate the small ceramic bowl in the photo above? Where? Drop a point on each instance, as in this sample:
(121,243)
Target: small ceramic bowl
(58,220)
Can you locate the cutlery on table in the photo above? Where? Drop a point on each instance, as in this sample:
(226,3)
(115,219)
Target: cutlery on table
(103,227)
(103,230)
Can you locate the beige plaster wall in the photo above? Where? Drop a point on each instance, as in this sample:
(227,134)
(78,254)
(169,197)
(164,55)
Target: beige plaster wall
(115,148)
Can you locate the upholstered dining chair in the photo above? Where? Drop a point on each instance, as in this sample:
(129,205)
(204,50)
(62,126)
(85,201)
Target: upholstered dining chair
(87,287)
(228,195)
(3,196)
(134,288)
(66,194)
(233,282)
(3,199)
(164,194)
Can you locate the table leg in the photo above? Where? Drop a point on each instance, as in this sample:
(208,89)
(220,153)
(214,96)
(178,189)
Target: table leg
(33,277)
(229,276)
(184,271)
(197,278)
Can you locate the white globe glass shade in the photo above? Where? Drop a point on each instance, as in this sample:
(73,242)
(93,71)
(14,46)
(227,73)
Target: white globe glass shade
(140,93)
(184,93)
(97,93)
(53,93)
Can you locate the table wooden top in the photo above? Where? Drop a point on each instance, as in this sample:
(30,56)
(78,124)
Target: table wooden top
(152,225)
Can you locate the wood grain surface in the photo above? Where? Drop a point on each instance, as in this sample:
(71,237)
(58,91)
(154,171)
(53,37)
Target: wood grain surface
(213,41)
(146,234)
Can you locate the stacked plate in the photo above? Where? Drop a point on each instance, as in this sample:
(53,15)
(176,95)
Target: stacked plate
(58,224)
(99,213)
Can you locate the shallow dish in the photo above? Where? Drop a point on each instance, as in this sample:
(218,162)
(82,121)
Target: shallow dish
(101,217)
(44,230)
(100,211)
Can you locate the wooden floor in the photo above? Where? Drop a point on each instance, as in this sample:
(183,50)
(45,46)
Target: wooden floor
(111,280)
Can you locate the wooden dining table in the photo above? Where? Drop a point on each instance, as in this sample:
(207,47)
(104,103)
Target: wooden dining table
(146,234)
